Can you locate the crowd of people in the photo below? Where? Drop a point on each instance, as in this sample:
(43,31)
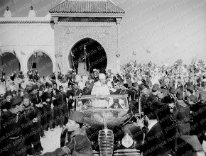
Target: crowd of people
(31,105)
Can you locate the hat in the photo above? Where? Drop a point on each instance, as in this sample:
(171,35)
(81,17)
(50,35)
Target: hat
(48,84)
(35,86)
(8,93)
(29,87)
(41,88)
(102,76)
(190,87)
(14,92)
(16,101)
(155,87)
(95,70)
(77,116)
(193,98)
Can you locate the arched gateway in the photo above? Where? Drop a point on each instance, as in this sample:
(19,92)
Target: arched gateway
(87,54)
(41,62)
(79,22)
(9,63)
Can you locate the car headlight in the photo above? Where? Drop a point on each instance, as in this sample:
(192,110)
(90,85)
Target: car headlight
(127,141)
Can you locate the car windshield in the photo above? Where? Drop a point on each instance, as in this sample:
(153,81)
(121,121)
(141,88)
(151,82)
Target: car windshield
(116,102)
(102,109)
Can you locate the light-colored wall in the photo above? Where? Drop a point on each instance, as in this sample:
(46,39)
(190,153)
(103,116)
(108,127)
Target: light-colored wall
(25,39)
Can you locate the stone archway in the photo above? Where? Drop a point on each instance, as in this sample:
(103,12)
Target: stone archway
(96,57)
(9,63)
(42,62)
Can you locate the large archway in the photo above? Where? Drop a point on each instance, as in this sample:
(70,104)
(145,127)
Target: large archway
(92,51)
(9,63)
(40,61)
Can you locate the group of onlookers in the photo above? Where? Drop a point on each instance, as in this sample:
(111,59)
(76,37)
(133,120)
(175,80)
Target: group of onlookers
(32,105)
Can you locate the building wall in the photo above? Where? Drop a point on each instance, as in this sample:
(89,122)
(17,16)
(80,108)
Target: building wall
(27,38)
(67,34)
(54,39)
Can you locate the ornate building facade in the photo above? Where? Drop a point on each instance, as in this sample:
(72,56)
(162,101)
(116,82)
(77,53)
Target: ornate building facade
(69,28)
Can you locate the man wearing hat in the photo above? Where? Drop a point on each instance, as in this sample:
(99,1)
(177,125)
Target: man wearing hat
(79,144)
(13,123)
(32,127)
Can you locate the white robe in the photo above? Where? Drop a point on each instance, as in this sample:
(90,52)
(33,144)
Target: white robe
(99,89)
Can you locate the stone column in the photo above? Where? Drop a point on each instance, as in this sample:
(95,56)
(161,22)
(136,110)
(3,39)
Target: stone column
(118,20)
(56,55)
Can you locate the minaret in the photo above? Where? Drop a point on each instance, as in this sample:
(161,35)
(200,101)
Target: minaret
(7,13)
(32,13)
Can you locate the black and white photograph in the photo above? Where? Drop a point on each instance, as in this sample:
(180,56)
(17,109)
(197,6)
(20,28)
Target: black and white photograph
(102,77)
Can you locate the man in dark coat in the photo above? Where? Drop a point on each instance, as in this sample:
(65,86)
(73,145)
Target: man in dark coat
(199,119)
(64,106)
(155,142)
(47,102)
(79,144)
(13,123)
(182,115)
(56,104)
(31,129)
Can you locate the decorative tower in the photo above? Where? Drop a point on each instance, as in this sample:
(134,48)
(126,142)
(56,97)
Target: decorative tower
(7,13)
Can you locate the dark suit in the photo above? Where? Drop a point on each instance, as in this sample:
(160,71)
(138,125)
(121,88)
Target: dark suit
(199,120)
(155,143)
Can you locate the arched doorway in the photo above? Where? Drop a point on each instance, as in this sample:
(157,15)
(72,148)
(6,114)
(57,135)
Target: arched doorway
(9,63)
(41,62)
(89,51)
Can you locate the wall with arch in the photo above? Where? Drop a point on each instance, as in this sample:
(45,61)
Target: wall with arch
(27,38)
(67,34)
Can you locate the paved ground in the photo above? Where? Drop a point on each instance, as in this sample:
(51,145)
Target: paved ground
(51,141)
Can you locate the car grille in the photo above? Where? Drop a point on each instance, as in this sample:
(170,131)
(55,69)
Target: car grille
(106,142)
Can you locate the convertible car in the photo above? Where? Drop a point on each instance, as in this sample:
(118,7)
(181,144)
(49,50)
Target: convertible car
(109,125)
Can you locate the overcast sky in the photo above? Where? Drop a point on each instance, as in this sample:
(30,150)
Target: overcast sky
(157,30)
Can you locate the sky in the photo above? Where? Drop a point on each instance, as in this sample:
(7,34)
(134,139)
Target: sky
(158,30)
